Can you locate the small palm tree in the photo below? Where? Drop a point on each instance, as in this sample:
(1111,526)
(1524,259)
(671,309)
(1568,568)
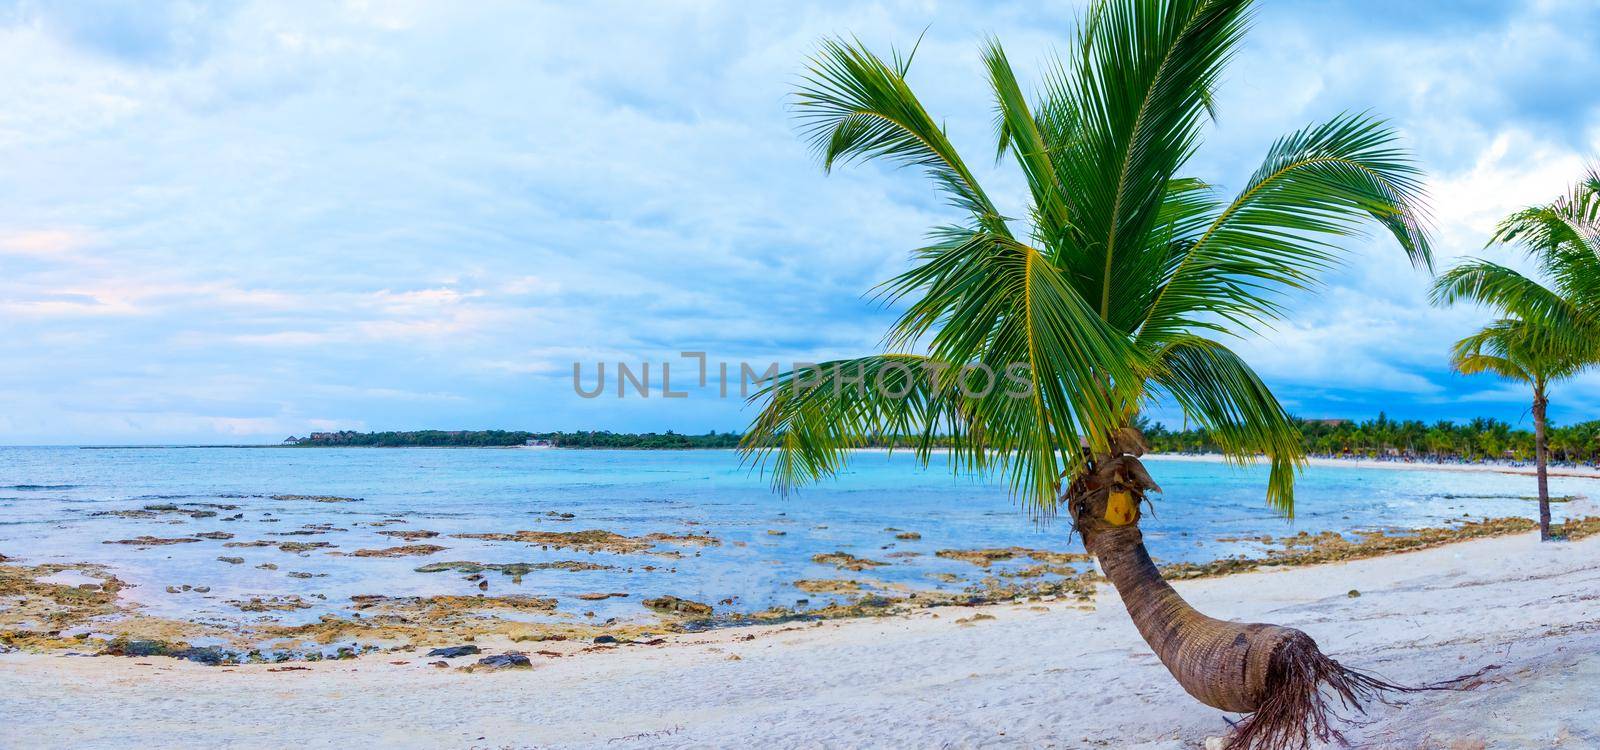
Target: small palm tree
(1113,293)
(1548,332)
(1519,350)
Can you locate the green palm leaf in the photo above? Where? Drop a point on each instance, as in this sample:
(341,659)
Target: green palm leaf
(1138,94)
(1323,181)
(853,105)
(814,417)
(1223,395)
(1504,289)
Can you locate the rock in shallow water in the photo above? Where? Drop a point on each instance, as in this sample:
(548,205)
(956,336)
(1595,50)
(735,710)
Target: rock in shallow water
(451,652)
(512,660)
(145,648)
(674,605)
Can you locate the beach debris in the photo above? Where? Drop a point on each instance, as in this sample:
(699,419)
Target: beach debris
(317,498)
(407,550)
(282,546)
(1328,546)
(302,546)
(231,560)
(152,541)
(515,570)
(828,586)
(983,558)
(440,663)
(670,604)
(146,648)
(1353,594)
(153,511)
(604,639)
(596,540)
(508,660)
(285,603)
(311,529)
(451,652)
(846,561)
(410,535)
(434,606)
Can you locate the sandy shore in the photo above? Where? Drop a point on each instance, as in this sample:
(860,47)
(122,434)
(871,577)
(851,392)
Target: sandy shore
(1584,472)
(1056,675)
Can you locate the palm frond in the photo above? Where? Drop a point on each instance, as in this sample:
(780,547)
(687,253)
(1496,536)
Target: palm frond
(1520,350)
(1218,391)
(1315,185)
(1016,129)
(1513,294)
(1138,94)
(852,105)
(813,417)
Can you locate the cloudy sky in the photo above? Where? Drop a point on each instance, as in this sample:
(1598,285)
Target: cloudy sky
(234,222)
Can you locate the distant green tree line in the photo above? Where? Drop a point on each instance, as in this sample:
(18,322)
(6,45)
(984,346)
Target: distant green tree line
(1475,440)
(505,438)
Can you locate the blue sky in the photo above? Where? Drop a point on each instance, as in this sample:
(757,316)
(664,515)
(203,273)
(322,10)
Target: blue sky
(235,222)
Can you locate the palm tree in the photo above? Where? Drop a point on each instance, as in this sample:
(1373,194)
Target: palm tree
(1521,351)
(1113,293)
(1547,332)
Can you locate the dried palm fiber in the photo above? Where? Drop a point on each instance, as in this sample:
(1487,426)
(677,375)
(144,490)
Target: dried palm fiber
(1276,674)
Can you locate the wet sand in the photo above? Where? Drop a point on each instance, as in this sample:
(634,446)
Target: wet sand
(1055,674)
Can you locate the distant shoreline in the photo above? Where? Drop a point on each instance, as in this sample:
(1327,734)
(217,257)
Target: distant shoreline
(1495,467)
(1582,472)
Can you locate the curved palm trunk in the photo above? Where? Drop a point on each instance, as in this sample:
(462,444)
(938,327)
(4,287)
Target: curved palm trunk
(1275,673)
(1541,457)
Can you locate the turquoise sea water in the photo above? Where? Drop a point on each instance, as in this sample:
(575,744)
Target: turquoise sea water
(49,498)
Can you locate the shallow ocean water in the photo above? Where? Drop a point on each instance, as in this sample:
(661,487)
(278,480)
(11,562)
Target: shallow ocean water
(49,498)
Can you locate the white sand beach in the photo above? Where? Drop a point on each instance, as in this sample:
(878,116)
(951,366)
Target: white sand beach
(1052,675)
(1526,469)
